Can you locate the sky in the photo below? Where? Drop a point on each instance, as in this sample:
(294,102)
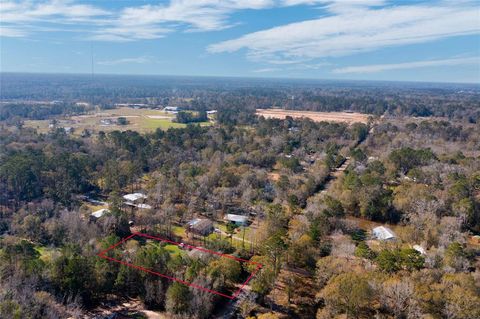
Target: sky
(409,40)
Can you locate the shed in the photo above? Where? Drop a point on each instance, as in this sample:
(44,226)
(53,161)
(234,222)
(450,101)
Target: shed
(199,226)
(98,214)
(383,233)
(238,220)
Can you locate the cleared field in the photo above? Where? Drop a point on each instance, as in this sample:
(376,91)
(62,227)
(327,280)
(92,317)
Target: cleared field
(344,117)
(142,120)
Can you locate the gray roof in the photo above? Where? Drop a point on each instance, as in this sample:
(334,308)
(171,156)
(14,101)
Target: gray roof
(383,233)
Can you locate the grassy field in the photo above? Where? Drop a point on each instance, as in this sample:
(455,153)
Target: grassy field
(179,231)
(141,120)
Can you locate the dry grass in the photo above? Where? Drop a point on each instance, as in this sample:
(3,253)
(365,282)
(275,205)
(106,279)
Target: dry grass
(342,117)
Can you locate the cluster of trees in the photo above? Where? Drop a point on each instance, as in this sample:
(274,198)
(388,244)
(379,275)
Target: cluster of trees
(39,111)
(451,101)
(190,117)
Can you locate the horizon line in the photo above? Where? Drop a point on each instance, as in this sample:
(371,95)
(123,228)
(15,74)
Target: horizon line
(241,77)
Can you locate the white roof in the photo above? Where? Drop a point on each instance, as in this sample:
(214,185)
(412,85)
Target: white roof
(383,233)
(134,196)
(236,218)
(99,213)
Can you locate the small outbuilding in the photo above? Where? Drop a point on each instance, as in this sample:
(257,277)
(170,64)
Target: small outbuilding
(238,220)
(98,214)
(383,233)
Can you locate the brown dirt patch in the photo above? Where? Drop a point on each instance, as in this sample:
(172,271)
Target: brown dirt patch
(343,117)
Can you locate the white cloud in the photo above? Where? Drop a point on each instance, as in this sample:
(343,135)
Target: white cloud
(265,70)
(136,60)
(408,65)
(154,21)
(124,24)
(361,30)
(21,18)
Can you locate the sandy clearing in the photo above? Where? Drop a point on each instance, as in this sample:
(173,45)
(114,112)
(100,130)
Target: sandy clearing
(344,117)
(159,117)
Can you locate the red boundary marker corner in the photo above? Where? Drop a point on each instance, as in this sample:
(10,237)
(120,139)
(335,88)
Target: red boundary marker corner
(259,266)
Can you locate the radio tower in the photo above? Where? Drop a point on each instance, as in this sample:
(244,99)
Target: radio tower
(92,101)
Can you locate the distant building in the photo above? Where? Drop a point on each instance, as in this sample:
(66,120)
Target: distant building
(171,109)
(98,214)
(212,112)
(68,129)
(238,220)
(202,227)
(106,122)
(383,233)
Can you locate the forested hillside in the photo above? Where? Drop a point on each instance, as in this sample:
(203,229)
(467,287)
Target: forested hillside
(348,221)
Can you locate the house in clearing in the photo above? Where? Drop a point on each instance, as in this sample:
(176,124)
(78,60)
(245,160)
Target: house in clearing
(98,214)
(136,200)
(383,233)
(238,220)
(197,226)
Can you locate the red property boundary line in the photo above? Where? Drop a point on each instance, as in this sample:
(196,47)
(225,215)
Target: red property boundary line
(259,266)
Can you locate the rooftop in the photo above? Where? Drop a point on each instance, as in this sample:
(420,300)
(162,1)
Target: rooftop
(236,218)
(99,213)
(134,196)
(383,233)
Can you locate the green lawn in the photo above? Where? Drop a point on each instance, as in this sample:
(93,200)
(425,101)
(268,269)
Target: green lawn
(164,124)
(178,231)
(174,250)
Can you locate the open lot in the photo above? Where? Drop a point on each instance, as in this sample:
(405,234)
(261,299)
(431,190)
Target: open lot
(344,117)
(141,120)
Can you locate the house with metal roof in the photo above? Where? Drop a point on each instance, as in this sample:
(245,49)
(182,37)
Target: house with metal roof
(238,220)
(197,226)
(134,197)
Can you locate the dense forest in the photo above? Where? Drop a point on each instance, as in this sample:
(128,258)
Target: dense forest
(453,101)
(311,223)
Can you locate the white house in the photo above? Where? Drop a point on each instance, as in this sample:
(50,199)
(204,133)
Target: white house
(238,220)
(134,197)
(171,109)
(383,233)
